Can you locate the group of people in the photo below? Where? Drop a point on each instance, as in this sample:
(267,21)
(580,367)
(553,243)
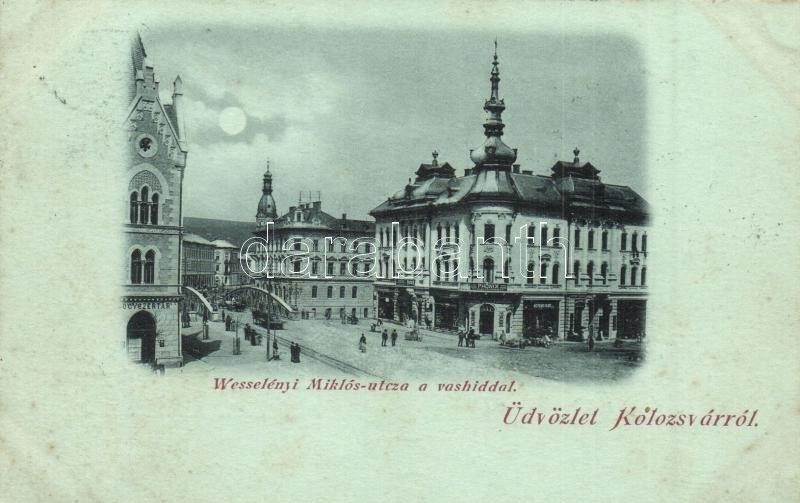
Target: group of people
(468,337)
(185,320)
(362,342)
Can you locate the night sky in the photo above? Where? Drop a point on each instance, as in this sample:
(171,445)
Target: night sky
(353,113)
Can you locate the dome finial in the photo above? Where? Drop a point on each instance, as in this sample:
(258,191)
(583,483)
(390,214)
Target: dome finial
(576,152)
(435,155)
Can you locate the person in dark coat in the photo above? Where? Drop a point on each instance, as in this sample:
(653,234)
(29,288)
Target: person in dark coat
(394,337)
(228,322)
(384,338)
(461,336)
(362,344)
(275,354)
(471,338)
(296,354)
(591,341)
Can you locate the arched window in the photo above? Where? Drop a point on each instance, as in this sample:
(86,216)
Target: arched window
(635,242)
(543,273)
(143,209)
(314,292)
(341,292)
(438,232)
(590,239)
(134,209)
(556,235)
(623,241)
(330,292)
(531,273)
(136,267)
(577,238)
(154,210)
(643,276)
(354,292)
(604,240)
(604,271)
(576,271)
(555,274)
(150,267)
(438,270)
(543,234)
(644,245)
(488,270)
(329,271)
(634,270)
(623,272)
(447,270)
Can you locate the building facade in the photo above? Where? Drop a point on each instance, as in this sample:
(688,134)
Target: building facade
(152,215)
(199,270)
(319,264)
(227,271)
(510,253)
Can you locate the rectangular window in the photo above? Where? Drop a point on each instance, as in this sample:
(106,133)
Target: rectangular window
(577,238)
(508,233)
(644,242)
(343,268)
(343,248)
(316,245)
(488,232)
(624,242)
(314,268)
(557,233)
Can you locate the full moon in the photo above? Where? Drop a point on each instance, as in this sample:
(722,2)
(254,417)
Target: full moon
(232,120)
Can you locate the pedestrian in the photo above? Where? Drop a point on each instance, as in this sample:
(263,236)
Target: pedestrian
(223,315)
(275,354)
(362,344)
(591,340)
(394,337)
(228,323)
(296,353)
(384,338)
(461,335)
(471,338)
(428,322)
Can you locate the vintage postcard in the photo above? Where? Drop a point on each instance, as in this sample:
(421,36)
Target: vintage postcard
(361,252)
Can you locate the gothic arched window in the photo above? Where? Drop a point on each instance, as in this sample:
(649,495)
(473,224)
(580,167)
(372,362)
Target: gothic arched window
(136,267)
(154,210)
(134,207)
(143,209)
(150,267)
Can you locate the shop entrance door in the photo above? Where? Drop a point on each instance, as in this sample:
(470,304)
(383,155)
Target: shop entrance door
(486,322)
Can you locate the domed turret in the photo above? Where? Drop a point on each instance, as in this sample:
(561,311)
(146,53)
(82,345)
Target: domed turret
(267,211)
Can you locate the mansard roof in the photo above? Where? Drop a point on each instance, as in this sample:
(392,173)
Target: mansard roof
(574,190)
(313,218)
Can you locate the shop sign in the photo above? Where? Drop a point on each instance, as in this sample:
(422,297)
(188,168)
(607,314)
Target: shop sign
(404,282)
(489,287)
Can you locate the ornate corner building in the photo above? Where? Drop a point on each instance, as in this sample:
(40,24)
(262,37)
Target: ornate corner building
(334,278)
(510,253)
(152,215)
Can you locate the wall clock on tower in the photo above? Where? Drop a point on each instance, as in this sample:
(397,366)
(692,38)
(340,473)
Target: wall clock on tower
(146,145)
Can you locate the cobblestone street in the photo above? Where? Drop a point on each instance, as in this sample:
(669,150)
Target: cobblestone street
(331,349)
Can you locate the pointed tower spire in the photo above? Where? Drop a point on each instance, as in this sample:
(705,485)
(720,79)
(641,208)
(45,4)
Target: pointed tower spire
(267,210)
(494,151)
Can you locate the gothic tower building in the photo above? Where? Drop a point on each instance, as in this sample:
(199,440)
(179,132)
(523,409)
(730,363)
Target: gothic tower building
(267,211)
(156,159)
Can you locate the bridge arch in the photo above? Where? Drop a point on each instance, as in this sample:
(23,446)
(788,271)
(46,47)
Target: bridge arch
(277,299)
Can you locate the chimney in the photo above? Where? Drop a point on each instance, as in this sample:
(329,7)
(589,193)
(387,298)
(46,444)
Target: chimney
(515,168)
(344,216)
